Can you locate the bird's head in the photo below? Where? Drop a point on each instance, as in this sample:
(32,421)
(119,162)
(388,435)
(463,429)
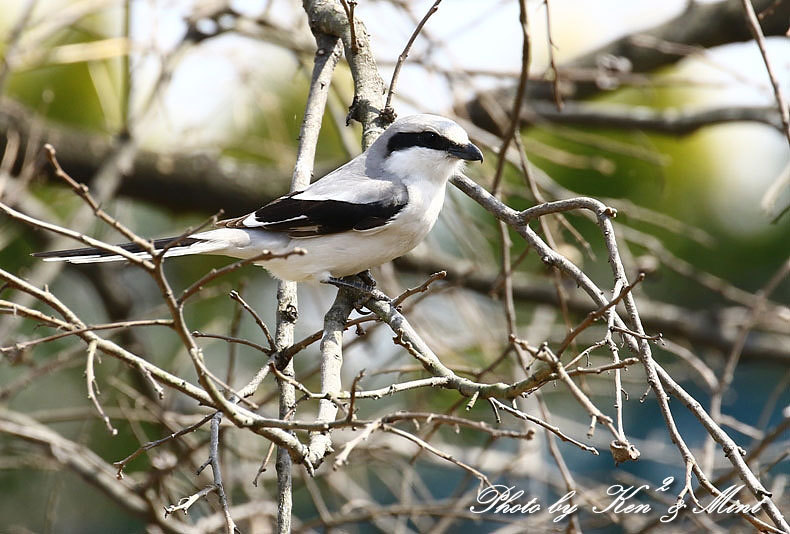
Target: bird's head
(425,145)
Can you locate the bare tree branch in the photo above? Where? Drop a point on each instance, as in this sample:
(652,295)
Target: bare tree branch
(691,27)
(189,181)
(329,18)
(673,122)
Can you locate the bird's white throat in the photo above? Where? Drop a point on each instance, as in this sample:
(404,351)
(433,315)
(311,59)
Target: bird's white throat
(424,163)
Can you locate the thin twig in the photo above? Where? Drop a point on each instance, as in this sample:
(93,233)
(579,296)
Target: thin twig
(230,339)
(618,382)
(620,364)
(441,454)
(235,326)
(234,295)
(757,31)
(551,428)
(210,221)
(620,329)
(83,192)
(366,432)
(121,464)
(518,101)
(552,63)
(90,379)
(90,328)
(567,477)
(403,55)
(422,288)
(186,502)
(597,314)
(222,271)
(91,242)
(213,459)
(349,6)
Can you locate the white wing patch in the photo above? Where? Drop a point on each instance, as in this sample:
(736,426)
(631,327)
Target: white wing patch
(251,222)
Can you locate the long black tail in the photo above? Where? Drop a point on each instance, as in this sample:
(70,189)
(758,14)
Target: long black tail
(96,255)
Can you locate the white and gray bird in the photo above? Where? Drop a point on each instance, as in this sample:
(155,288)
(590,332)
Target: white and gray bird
(373,209)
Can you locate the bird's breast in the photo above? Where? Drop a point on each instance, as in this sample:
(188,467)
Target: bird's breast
(419,216)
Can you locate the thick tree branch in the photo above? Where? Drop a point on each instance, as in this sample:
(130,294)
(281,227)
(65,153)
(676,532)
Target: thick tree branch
(329,18)
(672,122)
(185,181)
(326,58)
(701,25)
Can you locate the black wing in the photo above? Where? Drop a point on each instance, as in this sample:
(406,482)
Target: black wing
(305,218)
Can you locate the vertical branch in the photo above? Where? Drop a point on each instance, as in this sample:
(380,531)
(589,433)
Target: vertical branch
(331,362)
(349,6)
(402,58)
(618,379)
(326,58)
(369,89)
(90,379)
(757,31)
(552,62)
(562,295)
(518,100)
(287,313)
(126,71)
(329,22)
(213,461)
(567,477)
(510,310)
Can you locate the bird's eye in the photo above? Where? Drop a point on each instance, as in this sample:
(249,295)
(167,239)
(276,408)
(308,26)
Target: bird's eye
(429,138)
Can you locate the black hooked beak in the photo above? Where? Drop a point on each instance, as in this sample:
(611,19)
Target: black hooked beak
(469,152)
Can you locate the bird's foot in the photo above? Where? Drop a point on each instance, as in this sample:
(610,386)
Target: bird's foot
(365,288)
(367,277)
